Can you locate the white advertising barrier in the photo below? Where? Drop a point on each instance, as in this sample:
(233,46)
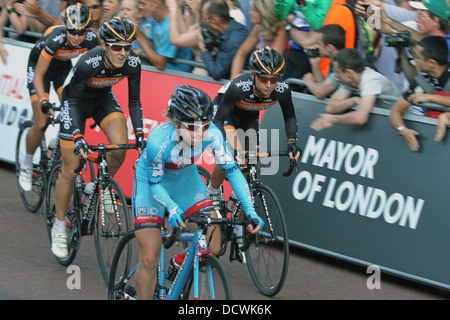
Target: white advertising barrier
(15,105)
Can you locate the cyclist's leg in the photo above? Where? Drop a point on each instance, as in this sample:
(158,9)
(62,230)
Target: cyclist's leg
(63,194)
(34,135)
(115,128)
(218,175)
(57,76)
(149,241)
(148,234)
(194,200)
(112,121)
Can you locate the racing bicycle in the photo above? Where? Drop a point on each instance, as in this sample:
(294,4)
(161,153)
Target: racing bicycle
(44,159)
(267,252)
(201,276)
(87,214)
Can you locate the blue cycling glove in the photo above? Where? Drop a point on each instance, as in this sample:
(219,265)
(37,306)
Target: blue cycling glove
(175,217)
(255,220)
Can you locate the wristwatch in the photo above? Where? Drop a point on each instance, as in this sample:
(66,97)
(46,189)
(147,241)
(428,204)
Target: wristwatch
(400,129)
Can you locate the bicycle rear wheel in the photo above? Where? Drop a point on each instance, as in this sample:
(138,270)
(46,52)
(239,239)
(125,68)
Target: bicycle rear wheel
(212,282)
(31,199)
(121,285)
(73,223)
(110,228)
(268,254)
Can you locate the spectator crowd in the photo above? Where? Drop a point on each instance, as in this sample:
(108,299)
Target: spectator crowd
(350,51)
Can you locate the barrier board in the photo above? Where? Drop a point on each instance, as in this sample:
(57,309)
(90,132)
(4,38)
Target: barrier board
(363,196)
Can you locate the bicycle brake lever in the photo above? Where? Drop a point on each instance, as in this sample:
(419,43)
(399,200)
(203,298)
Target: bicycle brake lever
(291,168)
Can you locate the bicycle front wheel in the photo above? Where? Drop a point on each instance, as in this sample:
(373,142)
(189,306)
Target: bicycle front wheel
(212,281)
(73,223)
(268,254)
(110,225)
(121,284)
(31,199)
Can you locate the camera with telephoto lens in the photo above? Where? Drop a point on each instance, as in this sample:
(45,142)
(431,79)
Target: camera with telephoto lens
(311,53)
(209,38)
(402,39)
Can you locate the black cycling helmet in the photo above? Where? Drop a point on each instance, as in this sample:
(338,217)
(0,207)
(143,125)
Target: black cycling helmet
(77,16)
(116,30)
(267,61)
(190,104)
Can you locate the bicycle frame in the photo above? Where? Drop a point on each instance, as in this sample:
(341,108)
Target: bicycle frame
(191,262)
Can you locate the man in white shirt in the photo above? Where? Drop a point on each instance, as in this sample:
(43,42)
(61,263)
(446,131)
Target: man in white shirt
(360,86)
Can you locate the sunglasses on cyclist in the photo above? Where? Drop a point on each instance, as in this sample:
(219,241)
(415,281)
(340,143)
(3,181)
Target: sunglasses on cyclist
(95,6)
(195,126)
(267,79)
(119,47)
(75,32)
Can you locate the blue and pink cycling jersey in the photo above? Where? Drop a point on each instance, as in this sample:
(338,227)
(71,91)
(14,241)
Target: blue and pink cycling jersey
(167,178)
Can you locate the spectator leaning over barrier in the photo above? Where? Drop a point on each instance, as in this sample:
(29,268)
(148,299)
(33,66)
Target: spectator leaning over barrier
(331,40)
(432,86)
(156,46)
(50,62)
(45,14)
(360,87)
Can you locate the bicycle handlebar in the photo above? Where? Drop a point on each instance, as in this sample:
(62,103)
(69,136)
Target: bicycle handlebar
(103,148)
(52,119)
(203,221)
(292,164)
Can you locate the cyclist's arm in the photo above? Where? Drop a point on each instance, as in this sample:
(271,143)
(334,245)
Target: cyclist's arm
(134,100)
(77,85)
(39,74)
(225,108)
(155,165)
(290,119)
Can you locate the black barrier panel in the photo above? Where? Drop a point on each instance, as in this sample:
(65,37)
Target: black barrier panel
(362,195)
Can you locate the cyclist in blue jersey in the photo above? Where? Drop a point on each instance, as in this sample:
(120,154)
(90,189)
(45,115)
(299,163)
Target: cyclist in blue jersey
(167,179)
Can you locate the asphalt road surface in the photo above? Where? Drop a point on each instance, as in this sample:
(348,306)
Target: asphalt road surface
(29,271)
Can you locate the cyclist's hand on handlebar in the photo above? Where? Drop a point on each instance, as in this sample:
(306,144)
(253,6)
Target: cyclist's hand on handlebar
(46,106)
(175,218)
(81,148)
(255,223)
(141,143)
(293,150)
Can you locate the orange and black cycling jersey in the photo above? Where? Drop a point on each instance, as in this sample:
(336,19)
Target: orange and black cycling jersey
(239,101)
(54,46)
(93,77)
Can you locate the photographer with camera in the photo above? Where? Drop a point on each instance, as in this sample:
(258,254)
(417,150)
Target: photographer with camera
(331,40)
(360,86)
(431,19)
(220,38)
(432,86)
